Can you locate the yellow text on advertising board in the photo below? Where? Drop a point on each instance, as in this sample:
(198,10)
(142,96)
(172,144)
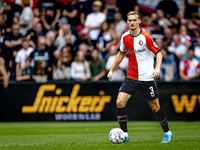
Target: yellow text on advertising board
(57,104)
(185,102)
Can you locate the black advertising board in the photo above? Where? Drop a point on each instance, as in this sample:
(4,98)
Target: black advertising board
(93,101)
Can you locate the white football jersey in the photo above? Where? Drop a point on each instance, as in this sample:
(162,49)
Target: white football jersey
(141,50)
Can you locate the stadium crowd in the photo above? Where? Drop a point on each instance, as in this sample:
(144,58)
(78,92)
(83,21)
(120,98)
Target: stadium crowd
(77,41)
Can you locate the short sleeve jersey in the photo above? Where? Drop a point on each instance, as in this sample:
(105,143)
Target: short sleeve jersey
(141,50)
(190,68)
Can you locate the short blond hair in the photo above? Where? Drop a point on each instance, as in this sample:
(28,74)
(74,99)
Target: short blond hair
(134,13)
(26,2)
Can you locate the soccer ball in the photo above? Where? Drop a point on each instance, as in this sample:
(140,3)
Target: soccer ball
(116,136)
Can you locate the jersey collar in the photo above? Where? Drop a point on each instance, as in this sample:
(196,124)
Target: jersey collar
(136,35)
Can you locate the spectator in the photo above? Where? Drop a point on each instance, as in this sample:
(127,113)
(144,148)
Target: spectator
(168,67)
(125,6)
(63,33)
(62,21)
(154,16)
(79,29)
(62,5)
(190,7)
(4,74)
(106,39)
(146,24)
(159,42)
(184,37)
(120,24)
(82,38)
(2,27)
(194,24)
(26,71)
(1,38)
(16,7)
(157,31)
(197,50)
(70,39)
(118,38)
(64,30)
(87,9)
(4,56)
(21,56)
(162,21)
(62,69)
(50,9)
(31,34)
(167,37)
(169,8)
(120,73)
(87,53)
(62,72)
(177,48)
(50,39)
(10,16)
(97,66)
(40,71)
(41,53)
(38,32)
(190,68)
(13,42)
(94,21)
(26,18)
(45,22)
(80,69)
(72,14)
(175,24)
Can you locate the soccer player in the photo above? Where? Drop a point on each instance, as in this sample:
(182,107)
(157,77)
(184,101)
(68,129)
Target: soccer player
(141,50)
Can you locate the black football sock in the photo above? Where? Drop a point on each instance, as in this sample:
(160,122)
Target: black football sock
(162,120)
(122,118)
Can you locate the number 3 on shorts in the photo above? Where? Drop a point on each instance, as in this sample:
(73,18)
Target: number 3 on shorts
(152,91)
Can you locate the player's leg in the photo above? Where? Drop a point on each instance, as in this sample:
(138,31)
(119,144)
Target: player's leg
(155,106)
(149,90)
(127,89)
(122,99)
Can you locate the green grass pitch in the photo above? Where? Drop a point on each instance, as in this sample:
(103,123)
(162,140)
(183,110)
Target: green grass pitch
(94,136)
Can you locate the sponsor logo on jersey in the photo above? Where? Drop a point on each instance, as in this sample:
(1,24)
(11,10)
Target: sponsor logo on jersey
(136,51)
(140,42)
(154,44)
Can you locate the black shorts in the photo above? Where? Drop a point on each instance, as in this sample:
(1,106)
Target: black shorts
(147,88)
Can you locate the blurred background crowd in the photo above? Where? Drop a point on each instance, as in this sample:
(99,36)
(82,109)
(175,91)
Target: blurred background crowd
(79,39)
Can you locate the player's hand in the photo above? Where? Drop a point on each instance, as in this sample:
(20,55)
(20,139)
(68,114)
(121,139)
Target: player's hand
(109,75)
(156,73)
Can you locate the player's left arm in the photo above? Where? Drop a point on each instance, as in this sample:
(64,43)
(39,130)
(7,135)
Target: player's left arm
(156,71)
(153,47)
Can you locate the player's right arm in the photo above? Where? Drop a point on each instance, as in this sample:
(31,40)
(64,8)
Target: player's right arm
(118,60)
(120,56)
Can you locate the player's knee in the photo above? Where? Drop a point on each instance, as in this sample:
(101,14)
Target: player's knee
(120,103)
(2,61)
(155,108)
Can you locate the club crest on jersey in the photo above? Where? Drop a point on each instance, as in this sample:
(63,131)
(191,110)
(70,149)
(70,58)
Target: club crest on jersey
(140,42)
